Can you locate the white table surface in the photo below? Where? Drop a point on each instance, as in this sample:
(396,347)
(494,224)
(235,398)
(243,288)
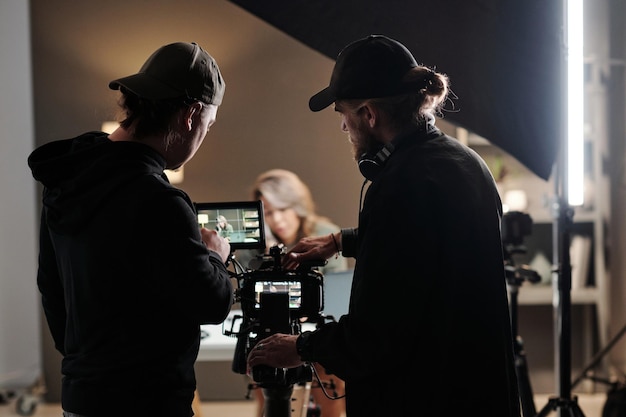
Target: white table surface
(216,346)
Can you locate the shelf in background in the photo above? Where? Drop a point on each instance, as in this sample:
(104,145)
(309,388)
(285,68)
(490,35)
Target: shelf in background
(543,294)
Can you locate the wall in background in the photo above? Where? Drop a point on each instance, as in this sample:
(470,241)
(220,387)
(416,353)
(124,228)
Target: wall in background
(264,121)
(20,344)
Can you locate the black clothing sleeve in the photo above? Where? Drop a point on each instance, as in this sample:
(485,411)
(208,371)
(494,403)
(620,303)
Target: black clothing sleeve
(51,288)
(349,242)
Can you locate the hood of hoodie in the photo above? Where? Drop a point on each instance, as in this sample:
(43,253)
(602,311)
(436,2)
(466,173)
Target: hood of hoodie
(80,174)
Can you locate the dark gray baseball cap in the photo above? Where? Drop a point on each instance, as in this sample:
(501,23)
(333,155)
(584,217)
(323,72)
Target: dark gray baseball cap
(177,70)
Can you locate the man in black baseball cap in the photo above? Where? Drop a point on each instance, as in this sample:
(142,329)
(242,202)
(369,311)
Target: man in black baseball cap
(125,273)
(429,299)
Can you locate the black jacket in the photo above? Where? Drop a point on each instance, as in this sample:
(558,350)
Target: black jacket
(428,331)
(124,276)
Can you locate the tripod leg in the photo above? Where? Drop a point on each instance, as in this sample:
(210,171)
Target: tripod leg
(300,399)
(575,408)
(527,401)
(569,408)
(598,357)
(551,405)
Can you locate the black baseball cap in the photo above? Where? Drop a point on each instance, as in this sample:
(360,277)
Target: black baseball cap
(177,70)
(371,67)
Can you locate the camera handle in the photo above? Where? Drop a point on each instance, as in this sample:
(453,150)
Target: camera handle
(277,383)
(515,276)
(277,401)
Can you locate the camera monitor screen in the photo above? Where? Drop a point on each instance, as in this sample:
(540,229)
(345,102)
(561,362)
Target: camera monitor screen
(241,222)
(293,288)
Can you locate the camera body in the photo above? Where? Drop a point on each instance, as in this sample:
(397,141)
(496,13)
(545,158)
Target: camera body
(275,300)
(515,226)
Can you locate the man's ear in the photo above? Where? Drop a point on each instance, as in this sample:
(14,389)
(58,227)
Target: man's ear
(191,113)
(370,114)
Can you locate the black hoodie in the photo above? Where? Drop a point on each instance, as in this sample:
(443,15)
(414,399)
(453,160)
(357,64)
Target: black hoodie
(124,276)
(428,300)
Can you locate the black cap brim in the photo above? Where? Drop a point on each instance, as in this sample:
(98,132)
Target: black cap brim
(322,100)
(145,86)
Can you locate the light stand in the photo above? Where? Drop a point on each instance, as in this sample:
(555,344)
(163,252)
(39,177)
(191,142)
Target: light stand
(571,130)
(565,404)
(562,228)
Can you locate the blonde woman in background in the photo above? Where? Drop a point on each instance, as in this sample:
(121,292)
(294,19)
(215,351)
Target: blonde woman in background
(290,215)
(224,229)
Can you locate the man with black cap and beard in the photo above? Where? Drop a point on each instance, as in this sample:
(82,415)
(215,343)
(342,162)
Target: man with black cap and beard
(124,301)
(428,331)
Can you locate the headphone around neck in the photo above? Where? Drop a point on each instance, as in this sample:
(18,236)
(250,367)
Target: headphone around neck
(372,163)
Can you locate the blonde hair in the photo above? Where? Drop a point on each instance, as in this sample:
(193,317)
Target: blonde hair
(284,189)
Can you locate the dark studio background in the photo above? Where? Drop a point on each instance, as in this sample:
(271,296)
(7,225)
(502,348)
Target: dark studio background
(264,122)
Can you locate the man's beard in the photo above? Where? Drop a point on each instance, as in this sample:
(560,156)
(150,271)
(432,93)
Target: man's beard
(366,144)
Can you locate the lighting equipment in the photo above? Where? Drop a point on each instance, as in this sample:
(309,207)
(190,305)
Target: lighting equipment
(565,403)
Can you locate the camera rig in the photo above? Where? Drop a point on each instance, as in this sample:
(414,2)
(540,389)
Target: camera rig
(274,300)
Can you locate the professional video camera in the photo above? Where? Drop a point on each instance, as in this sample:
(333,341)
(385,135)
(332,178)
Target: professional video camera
(515,226)
(273,299)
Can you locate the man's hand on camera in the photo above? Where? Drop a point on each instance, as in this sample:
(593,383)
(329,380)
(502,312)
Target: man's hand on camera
(216,243)
(309,249)
(276,351)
